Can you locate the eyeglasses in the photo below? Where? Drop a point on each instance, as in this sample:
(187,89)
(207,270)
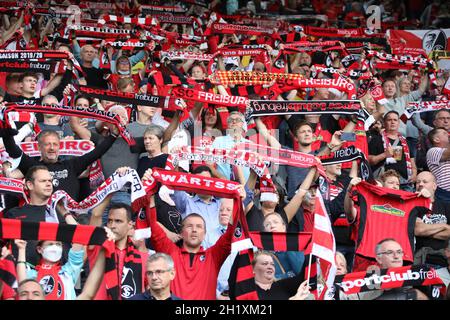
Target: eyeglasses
(158,273)
(391,253)
(54,105)
(231,120)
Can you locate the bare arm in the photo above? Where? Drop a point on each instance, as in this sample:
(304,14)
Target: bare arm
(94,279)
(414,170)
(52,84)
(215,172)
(422,229)
(13,28)
(78,129)
(446,154)
(262,129)
(375,159)
(171,128)
(444,234)
(97,212)
(334,145)
(354,170)
(293,205)
(21,268)
(423,83)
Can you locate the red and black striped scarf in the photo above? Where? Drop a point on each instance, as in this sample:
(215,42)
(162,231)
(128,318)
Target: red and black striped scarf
(27,230)
(8,272)
(36,56)
(131,282)
(224,28)
(82,234)
(242,281)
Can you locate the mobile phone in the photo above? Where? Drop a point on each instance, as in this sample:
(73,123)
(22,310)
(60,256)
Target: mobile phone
(348,136)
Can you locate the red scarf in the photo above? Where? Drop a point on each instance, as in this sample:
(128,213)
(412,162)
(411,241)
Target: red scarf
(387,143)
(131,282)
(48,277)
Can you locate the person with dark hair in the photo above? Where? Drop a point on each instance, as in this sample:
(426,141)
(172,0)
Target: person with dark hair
(38,183)
(390,151)
(130,259)
(303,134)
(206,205)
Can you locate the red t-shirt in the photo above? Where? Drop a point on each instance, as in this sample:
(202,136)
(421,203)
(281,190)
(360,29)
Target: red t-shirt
(385,213)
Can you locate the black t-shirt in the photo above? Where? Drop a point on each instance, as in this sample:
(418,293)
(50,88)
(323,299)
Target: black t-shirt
(65,173)
(376,147)
(341,233)
(95,77)
(8,201)
(282,289)
(27,212)
(150,163)
(255,219)
(440,214)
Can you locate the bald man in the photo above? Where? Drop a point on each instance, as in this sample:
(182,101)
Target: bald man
(432,230)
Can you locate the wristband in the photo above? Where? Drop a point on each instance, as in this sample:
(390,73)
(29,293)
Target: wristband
(114,135)
(330,146)
(24,262)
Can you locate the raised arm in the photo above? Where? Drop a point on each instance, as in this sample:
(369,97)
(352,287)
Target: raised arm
(292,207)
(262,129)
(97,212)
(81,163)
(21,267)
(349,208)
(94,279)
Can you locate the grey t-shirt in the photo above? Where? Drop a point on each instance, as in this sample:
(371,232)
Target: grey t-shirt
(119,155)
(63,130)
